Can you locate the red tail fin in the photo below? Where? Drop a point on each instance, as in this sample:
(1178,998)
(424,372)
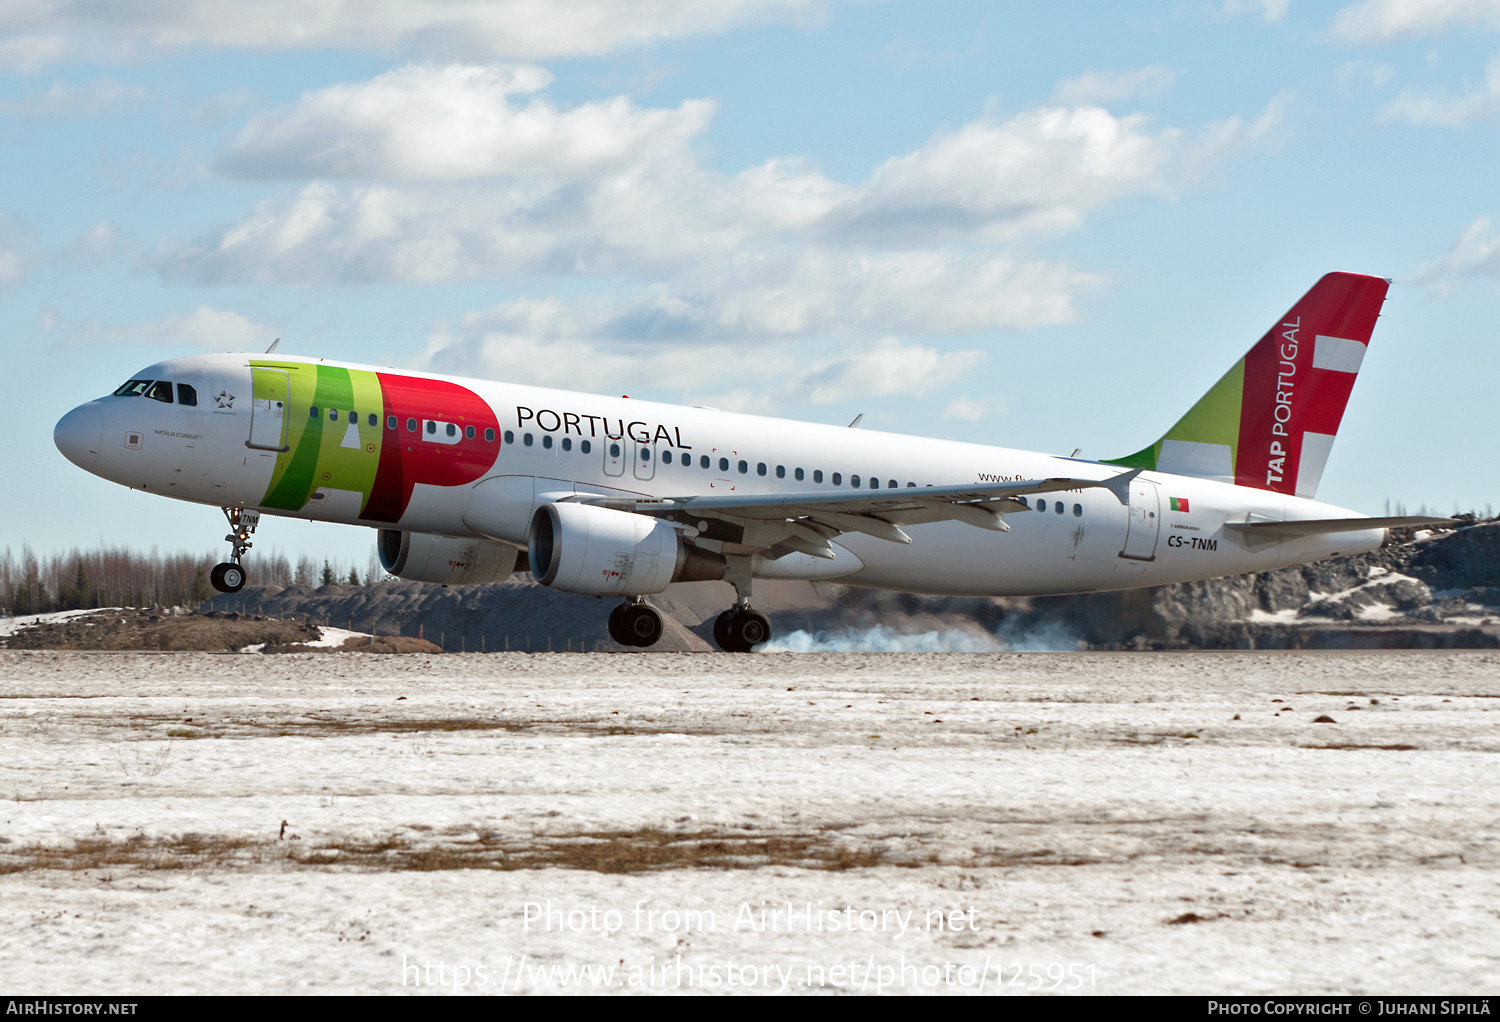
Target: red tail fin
(1271,420)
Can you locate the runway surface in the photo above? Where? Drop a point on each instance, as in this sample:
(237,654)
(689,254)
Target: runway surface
(996,823)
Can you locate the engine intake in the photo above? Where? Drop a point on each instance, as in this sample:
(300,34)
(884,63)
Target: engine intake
(448,560)
(597,551)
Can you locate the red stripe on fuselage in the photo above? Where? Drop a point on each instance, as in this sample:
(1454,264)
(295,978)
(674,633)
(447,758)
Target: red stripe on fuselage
(407,459)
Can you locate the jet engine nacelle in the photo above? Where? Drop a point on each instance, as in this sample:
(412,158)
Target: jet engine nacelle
(597,551)
(449,560)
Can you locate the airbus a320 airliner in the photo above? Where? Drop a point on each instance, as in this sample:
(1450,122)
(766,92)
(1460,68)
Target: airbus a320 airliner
(468,481)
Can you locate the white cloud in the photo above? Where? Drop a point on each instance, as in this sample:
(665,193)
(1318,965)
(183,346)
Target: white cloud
(17,250)
(1266,10)
(1372,22)
(46,31)
(1476,253)
(92,99)
(454,122)
(204,327)
(1360,74)
(889,367)
(969,410)
(1448,111)
(95,245)
(626,194)
(1105,87)
(705,279)
(548,343)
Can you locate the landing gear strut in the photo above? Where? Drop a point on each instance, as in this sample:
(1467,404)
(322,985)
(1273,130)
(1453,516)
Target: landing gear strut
(229,577)
(635,623)
(739,629)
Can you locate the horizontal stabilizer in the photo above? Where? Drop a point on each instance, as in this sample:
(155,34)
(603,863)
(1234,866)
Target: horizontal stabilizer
(1323,526)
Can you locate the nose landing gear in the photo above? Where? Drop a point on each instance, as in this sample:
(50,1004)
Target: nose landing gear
(229,577)
(635,623)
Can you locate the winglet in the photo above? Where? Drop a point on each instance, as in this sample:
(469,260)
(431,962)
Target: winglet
(273,346)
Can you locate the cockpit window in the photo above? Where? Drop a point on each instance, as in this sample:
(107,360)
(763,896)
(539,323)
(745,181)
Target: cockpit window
(187,395)
(161,391)
(134,388)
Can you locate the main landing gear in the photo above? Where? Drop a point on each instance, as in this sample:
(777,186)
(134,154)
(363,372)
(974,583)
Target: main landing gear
(229,577)
(739,629)
(635,623)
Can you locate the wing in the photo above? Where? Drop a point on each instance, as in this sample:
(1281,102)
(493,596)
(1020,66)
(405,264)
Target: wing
(805,522)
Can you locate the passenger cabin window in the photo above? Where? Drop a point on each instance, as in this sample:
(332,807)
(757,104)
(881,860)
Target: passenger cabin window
(853,481)
(547,441)
(489,436)
(723,464)
(1077,510)
(133,388)
(374,419)
(798,474)
(645,454)
(510,437)
(526,439)
(468,432)
(390,422)
(584,446)
(187,396)
(1058,507)
(312,413)
(431,426)
(838,479)
(452,429)
(744,467)
(411,425)
(703,461)
(817,475)
(780,471)
(333,415)
(760,469)
(614,448)
(666,457)
(567,441)
(161,391)
(1041,506)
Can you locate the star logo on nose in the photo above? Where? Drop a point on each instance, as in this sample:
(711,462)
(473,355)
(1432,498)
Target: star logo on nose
(223,399)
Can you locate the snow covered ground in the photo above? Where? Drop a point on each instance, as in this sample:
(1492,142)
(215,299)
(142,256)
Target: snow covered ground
(802,822)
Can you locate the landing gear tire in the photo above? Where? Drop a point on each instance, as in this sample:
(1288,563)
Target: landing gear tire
(741,630)
(227,578)
(721,629)
(635,624)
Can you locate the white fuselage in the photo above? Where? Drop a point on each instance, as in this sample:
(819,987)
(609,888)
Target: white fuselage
(1085,540)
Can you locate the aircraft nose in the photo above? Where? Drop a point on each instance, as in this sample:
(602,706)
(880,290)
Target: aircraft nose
(78,433)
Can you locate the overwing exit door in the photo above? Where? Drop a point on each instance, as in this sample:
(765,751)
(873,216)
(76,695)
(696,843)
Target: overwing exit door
(644,459)
(615,454)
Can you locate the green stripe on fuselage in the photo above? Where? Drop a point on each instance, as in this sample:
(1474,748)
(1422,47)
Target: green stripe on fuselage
(316,455)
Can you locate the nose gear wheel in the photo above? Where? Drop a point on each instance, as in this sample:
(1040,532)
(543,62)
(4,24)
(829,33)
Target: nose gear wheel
(229,577)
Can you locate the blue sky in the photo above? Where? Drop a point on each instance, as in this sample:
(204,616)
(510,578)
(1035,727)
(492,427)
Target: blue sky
(1039,226)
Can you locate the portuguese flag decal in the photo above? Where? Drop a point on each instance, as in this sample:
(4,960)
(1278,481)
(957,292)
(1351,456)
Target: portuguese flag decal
(1179,503)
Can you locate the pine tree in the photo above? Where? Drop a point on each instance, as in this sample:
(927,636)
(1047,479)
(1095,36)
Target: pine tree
(354,576)
(329,578)
(200,592)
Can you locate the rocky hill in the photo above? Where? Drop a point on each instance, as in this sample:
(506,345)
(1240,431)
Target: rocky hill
(1433,591)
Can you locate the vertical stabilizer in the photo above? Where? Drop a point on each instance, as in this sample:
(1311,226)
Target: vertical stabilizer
(1270,421)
